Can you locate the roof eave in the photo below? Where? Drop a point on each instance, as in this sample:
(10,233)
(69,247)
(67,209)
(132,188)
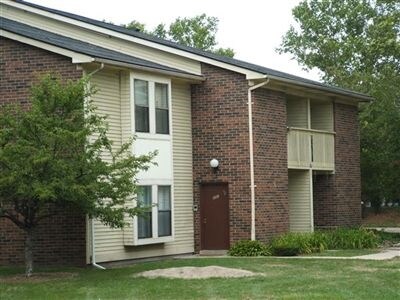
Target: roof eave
(193,77)
(356,96)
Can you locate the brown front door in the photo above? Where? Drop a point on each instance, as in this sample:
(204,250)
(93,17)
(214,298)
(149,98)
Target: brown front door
(214,216)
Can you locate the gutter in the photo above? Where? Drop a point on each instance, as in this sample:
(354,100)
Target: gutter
(334,90)
(251,154)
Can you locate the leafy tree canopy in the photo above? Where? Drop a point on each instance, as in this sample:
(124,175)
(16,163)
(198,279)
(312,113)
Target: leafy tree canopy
(356,44)
(198,32)
(51,160)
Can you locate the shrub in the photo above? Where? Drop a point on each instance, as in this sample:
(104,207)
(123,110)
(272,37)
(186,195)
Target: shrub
(358,238)
(291,244)
(249,248)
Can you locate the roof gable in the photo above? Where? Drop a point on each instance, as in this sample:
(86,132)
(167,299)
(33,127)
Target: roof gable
(236,65)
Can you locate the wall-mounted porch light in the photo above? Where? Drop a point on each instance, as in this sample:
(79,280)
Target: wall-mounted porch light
(214,163)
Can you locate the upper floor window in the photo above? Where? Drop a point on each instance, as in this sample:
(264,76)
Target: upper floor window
(152,102)
(141,89)
(162,113)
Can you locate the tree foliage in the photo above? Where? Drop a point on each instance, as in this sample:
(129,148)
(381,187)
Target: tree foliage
(356,44)
(198,32)
(51,161)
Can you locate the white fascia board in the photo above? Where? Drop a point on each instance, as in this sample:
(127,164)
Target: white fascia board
(196,57)
(77,58)
(195,78)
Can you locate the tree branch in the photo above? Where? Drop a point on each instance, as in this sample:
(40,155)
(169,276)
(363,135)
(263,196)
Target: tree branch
(14,219)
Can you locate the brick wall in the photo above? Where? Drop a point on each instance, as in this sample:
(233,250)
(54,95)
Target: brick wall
(59,240)
(347,165)
(325,208)
(337,198)
(220,130)
(270,163)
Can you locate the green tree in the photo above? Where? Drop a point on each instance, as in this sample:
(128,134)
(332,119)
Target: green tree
(135,25)
(51,161)
(356,44)
(198,32)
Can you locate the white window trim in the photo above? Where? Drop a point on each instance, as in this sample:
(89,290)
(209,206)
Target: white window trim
(154,195)
(151,79)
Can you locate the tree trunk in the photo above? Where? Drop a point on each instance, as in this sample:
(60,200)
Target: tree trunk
(29,253)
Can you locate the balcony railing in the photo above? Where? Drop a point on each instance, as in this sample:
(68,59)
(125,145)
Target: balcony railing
(309,148)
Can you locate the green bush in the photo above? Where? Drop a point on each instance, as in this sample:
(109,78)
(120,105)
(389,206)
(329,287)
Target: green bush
(249,248)
(358,238)
(291,244)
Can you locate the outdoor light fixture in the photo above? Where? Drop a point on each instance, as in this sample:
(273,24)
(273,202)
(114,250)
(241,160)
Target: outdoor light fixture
(214,163)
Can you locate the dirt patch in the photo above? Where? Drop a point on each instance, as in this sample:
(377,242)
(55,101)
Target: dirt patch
(198,273)
(37,277)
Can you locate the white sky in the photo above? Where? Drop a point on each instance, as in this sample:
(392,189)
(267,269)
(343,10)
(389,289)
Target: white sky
(254,29)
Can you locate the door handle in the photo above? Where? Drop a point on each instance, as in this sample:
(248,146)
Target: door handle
(204,220)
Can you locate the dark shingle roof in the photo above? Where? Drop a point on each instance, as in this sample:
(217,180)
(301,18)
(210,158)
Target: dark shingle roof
(224,59)
(79,46)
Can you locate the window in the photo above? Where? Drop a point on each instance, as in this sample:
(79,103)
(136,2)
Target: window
(156,225)
(151,106)
(164,211)
(162,115)
(145,221)
(141,89)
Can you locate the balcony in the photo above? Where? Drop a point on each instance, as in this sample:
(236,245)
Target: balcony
(311,149)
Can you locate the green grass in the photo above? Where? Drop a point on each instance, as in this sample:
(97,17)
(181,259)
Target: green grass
(345,253)
(283,278)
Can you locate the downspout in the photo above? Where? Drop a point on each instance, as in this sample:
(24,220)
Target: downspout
(94,264)
(251,152)
(97,70)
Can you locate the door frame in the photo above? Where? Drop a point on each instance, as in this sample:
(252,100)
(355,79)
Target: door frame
(202,233)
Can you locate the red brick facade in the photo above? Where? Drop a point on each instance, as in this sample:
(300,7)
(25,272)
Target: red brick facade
(337,198)
(220,130)
(270,163)
(60,240)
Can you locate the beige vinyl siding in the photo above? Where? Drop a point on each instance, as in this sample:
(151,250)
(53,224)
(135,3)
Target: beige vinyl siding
(182,167)
(322,116)
(100,39)
(297,111)
(300,201)
(113,99)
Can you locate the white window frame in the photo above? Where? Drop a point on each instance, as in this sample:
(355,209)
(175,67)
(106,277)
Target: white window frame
(155,239)
(151,79)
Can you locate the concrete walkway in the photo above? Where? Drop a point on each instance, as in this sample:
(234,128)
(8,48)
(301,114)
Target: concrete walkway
(386,229)
(386,254)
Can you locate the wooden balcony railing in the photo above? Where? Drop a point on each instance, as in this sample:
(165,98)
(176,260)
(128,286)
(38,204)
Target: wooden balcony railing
(309,148)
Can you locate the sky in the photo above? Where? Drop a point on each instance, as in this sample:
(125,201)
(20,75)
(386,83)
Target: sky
(254,29)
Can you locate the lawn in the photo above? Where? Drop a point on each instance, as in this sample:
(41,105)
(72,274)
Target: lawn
(280,279)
